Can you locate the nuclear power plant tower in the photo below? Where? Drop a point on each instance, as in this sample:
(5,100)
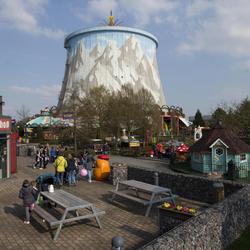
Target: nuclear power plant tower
(111,56)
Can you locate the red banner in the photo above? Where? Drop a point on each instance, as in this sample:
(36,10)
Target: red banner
(5,124)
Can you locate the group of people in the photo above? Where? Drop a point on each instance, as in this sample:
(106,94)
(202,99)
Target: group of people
(69,169)
(42,157)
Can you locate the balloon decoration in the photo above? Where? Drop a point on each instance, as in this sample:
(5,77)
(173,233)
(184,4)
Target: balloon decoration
(83,172)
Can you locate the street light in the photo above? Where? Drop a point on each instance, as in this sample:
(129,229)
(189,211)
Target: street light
(52,112)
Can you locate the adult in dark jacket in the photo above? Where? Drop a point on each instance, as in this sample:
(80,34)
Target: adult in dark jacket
(26,194)
(71,170)
(90,161)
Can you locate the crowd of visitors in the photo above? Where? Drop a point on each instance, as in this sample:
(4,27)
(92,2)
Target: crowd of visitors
(67,166)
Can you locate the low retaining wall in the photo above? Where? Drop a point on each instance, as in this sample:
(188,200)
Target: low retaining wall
(215,228)
(188,186)
(27,149)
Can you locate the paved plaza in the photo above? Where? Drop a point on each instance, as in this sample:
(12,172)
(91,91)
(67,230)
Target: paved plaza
(121,218)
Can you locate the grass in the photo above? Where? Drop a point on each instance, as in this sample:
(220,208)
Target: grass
(243,242)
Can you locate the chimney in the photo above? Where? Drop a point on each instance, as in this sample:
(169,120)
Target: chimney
(1,105)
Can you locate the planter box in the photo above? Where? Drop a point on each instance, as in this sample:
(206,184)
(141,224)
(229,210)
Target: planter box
(170,218)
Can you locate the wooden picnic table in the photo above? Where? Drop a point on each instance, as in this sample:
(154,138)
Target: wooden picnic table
(68,202)
(136,188)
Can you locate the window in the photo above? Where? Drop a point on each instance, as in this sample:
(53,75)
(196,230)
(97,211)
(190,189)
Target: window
(219,151)
(243,157)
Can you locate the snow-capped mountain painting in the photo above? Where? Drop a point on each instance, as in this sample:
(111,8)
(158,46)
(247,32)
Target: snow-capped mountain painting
(112,61)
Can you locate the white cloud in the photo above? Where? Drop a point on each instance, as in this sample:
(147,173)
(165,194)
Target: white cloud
(23,15)
(142,11)
(41,91)
(220,27)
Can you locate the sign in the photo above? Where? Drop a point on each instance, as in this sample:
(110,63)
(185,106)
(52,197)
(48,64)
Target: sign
(5,124)
(134,144)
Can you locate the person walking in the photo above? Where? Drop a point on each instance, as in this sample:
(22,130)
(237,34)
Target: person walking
(90,161)
(45,156)
(26,194)
(41,157)
(52,154)
(71,169)
(38,158)
(60,165)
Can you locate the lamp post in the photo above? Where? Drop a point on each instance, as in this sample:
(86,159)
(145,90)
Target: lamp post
(52,111)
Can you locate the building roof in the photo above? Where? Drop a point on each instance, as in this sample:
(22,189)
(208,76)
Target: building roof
(235,145)
(111,29)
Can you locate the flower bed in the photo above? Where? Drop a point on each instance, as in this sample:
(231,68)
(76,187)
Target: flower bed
(179,208)
(171,215)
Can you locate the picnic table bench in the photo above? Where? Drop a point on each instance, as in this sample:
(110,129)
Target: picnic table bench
(69,203)
(132,190)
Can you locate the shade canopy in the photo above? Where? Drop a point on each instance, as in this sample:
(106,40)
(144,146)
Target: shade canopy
(47,121)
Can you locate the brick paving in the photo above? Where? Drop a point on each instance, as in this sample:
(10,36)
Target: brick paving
(121,218)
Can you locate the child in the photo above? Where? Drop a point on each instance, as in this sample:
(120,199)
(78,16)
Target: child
(26,195)
(34,191)
(89,165)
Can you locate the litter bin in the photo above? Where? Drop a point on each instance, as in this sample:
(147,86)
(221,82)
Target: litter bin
(29,152)
(218,192)
(231,172)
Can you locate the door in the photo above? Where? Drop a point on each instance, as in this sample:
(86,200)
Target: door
(219,159)
(3,156)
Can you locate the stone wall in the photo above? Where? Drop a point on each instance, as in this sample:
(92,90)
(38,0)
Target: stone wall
(215,228)
(191,187)
(118,171)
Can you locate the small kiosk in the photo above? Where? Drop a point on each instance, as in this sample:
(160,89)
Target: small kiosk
(7,148)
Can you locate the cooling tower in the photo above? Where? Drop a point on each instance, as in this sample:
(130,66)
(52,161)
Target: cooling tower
(111,56)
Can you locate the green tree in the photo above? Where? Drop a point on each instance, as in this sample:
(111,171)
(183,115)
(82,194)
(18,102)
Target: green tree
(198,119)
(93,112)
(235,117)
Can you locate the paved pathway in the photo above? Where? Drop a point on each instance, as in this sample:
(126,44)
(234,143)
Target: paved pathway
(120,218)
(155,164)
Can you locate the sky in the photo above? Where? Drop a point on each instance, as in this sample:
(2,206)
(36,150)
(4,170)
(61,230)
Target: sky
(203,54)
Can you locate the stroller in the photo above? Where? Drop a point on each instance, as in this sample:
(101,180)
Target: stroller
(43,182)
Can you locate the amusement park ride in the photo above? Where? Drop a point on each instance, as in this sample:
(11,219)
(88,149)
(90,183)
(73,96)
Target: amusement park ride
(173,121)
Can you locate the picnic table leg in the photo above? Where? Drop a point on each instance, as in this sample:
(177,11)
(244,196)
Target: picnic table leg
(60,225)
(150,204)
(96,217)
(116,189)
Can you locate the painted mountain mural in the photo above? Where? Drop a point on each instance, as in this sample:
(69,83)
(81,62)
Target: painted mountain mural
(111,66)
